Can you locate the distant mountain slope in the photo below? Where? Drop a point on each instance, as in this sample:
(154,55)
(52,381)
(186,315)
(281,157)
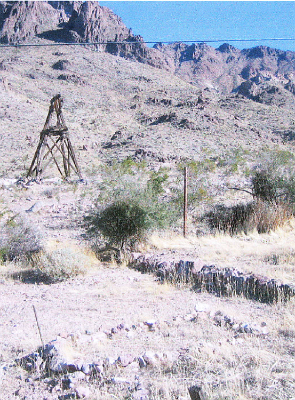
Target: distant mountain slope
(226,68)
(261,73)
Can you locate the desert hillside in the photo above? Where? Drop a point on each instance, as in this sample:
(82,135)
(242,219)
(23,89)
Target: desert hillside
(206,316)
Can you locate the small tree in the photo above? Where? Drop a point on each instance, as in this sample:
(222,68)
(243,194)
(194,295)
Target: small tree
(122,223)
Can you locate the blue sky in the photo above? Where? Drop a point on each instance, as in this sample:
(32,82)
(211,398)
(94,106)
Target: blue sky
(210,20)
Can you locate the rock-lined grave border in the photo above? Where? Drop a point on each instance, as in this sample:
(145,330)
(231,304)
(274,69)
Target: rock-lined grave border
(213,279)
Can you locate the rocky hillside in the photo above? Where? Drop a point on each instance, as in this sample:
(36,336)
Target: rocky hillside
(262,74)
(226,105)
(248,71)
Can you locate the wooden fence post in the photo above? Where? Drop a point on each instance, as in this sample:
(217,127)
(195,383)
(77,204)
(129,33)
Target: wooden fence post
(185,202)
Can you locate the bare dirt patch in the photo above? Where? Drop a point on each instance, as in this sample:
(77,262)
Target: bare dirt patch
(105,315)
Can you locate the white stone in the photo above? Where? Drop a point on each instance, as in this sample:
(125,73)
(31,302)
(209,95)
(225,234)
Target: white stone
(202,307)
(82,392)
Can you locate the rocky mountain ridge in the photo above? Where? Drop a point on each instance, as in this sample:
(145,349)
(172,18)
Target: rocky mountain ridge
(261,73)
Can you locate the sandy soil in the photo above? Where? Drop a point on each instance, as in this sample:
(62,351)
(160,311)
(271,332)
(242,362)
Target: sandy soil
(108,296)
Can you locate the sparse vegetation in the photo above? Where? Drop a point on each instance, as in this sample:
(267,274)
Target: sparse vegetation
(19,239)
(121,223)
(259,215)
(56,266)
(272,207)
(224,148)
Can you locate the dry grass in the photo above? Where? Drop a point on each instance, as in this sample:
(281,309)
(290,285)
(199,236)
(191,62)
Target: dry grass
(56,262)
(227,365)
(267,254)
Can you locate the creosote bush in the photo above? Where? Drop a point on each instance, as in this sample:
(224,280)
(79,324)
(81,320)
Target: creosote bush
(122,223)
(265,186)
(273,188)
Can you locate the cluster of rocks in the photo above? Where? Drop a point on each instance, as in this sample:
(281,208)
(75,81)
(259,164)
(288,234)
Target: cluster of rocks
(170,117)
(142,154)
(118,139)
(62,368)
(162,102)
(220,281)
(228,322)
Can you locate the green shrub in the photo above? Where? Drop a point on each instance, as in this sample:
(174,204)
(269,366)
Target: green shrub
(121,223)
(155,183)
(273,188)
(265,186)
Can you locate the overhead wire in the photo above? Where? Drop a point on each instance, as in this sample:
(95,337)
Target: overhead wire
(142,42)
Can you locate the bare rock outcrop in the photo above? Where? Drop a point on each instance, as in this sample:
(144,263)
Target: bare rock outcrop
(93,23)
(22,20)
(226,68)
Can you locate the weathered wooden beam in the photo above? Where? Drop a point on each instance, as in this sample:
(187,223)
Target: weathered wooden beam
(62,144)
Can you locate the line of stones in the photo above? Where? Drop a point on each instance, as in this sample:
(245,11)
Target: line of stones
(220,281)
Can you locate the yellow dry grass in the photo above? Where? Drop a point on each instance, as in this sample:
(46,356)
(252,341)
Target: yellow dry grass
(228,366)
(271,254)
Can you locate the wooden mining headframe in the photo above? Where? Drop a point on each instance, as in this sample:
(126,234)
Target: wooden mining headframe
(54,140)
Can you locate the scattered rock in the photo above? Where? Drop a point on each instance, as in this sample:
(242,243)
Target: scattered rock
(156,360)
(142,362)
(92,369)
(156,101)
(71,78)
(125,360)
(117,135)
(82,392)
(196,393)
(35,207)
(61,65)
(164,118)
(151,324)
(3,369)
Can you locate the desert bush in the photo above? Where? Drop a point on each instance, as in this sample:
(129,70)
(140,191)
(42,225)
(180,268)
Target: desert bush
(19,239)
(59,265)
(54,266)
(258,215)
(274,188)
(233,219)
(156,181)
(266,186)
(121,223)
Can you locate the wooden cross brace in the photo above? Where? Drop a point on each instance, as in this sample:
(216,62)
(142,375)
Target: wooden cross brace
(54,141)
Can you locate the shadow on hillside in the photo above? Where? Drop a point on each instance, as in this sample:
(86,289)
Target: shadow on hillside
(58,35)
(32,276)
